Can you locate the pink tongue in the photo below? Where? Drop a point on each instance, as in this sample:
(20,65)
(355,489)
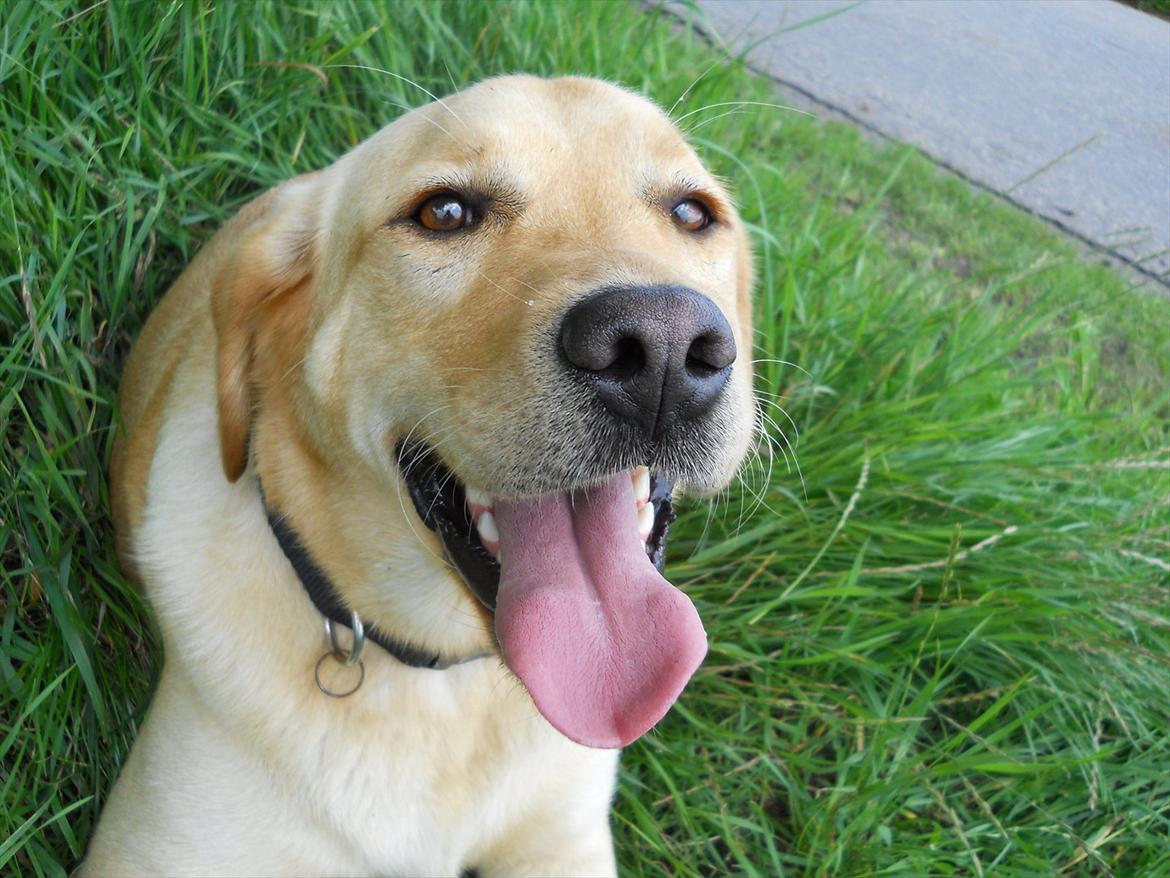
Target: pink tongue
(602,642)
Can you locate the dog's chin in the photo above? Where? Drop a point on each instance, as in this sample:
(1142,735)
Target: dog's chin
(444,504)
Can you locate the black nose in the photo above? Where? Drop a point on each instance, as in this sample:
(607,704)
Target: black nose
(654,356)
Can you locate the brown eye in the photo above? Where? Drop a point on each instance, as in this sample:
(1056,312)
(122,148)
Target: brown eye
(444,213)
(690,215)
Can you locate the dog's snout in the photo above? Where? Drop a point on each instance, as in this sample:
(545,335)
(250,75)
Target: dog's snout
(654,355)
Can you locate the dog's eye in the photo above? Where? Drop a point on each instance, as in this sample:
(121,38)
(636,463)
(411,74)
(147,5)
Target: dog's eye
(444,213)
(690,215)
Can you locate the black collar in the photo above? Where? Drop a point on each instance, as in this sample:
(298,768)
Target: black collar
(328,602)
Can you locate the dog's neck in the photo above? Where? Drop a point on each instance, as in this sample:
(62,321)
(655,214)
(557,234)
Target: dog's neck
(362,536)
(330,604)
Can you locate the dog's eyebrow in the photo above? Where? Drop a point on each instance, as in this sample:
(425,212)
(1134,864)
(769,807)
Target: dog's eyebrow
(683,185)
(494,186)
(484,190)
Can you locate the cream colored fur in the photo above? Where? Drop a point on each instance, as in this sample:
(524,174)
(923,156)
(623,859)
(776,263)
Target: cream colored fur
(308,336)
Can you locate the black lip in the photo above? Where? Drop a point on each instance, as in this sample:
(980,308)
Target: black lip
(440,502)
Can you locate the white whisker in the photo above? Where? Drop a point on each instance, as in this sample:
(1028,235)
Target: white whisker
(405,79)
(528,302)
(686,91)
(743,104)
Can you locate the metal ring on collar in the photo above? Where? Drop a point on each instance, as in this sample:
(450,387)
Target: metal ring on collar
(339,657)
(343,657)
(359,639)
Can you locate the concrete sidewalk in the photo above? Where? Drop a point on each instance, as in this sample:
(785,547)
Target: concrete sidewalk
(1060,107)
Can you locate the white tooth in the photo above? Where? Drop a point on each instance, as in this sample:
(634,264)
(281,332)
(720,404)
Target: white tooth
(641,479)
(478,498)
(488,534)
(646,521)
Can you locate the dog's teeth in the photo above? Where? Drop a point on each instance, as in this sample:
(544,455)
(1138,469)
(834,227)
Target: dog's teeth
(488,534)
(641,478)
(478,501)
(645,521)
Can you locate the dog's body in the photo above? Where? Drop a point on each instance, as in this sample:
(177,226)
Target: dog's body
(312,336)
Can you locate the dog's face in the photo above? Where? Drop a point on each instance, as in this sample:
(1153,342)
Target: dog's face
(499,302)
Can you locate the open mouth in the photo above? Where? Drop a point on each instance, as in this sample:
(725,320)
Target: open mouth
(582,614)
(464,518)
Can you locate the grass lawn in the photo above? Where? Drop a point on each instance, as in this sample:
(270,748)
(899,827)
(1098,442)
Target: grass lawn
(937,601)
(1155,7)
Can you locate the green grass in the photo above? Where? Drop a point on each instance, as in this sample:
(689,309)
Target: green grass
(1156,7)
(940,648)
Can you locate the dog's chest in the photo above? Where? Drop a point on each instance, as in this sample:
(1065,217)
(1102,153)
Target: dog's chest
(442,769)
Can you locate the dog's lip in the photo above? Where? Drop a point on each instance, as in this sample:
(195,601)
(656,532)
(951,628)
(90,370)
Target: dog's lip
(441,501)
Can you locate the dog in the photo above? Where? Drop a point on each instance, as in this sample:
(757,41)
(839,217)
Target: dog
(395,470)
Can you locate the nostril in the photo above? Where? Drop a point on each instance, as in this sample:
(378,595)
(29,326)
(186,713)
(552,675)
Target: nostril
(710,353)
(629,359)
(697,368)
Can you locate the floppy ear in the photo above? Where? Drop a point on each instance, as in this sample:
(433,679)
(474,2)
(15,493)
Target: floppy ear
(272,257)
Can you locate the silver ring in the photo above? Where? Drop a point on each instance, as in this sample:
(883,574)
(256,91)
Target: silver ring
(340,658)
(359,639)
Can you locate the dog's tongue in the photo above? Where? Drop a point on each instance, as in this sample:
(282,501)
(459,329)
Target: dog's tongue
(602,642)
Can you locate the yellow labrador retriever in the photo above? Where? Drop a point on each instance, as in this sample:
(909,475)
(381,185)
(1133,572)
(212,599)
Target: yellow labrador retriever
(396,475)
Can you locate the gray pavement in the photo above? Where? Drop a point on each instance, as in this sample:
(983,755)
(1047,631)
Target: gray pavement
(1060,106)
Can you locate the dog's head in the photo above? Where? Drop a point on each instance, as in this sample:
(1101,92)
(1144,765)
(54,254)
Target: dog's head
(526,308)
